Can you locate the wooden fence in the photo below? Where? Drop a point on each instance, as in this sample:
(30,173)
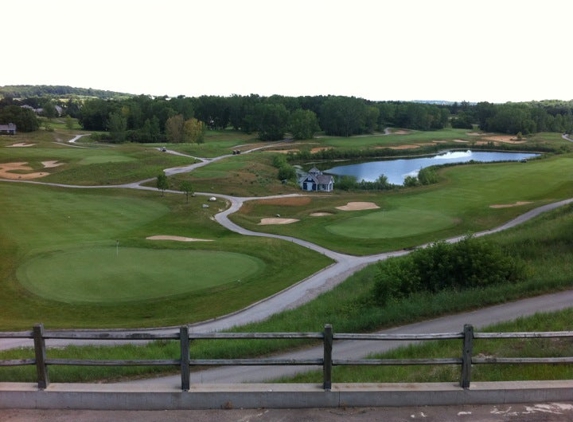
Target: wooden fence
(327,362)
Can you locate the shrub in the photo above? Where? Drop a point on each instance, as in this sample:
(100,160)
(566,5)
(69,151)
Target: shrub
(467,264)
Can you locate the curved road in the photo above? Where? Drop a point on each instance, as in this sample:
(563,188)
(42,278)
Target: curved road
(303,291)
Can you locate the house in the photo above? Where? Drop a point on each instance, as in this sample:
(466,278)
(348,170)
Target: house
(314,180)
(9,129)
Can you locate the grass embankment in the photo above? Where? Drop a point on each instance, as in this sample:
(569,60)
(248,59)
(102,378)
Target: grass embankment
(545,244)
(463,202)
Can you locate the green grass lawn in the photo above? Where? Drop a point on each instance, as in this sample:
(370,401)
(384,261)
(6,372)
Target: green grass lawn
(58,246)
(461,203)
(111,274)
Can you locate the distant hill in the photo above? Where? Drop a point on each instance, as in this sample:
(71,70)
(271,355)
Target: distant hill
(28,91)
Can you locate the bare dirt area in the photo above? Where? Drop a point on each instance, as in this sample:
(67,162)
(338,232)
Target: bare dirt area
(409,146)
(320,214)
(507,139)
(517,204)
(358,206)
(269,221)
(295,201)
(177,238)
(15,171)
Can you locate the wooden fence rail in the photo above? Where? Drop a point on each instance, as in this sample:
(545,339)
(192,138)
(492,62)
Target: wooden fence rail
(327,362)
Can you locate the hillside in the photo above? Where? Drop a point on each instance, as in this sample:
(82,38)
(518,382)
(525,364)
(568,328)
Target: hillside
(27,91)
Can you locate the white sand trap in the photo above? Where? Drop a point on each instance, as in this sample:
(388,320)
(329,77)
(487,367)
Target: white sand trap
(320,214)
(178,238)
(51,164)
(20,145)
(266,221)
(357,206)
(517,204)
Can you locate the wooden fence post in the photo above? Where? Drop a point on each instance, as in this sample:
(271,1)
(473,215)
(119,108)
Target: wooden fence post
(185,369)
(467,353)
(40,351)
(327,358)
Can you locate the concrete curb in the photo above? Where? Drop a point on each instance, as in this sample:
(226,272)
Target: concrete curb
(253,396)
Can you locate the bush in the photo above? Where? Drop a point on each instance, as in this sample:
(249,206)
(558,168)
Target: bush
(469,263)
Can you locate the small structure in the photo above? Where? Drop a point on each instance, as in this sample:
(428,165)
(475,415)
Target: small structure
(9,129)
(314,180)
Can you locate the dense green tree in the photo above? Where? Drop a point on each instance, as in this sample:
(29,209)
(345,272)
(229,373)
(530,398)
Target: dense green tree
(174,129)
(272,121)
(95,113)
(24,118)
(194,131)
(117,126)
(303,124)
(343,116)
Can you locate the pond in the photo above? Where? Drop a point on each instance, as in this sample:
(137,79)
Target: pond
(398,169)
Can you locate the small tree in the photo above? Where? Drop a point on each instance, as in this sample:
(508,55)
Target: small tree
(186,188)
(162,183)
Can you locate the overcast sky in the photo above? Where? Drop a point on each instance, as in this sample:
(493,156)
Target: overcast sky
(473,50)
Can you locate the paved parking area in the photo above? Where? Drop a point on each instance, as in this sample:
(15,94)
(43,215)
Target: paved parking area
(548,412)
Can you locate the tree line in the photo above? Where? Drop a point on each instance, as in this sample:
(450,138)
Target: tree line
(184,119)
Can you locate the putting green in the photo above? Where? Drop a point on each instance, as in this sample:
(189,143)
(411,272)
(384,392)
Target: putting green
(392,224)
(111,275)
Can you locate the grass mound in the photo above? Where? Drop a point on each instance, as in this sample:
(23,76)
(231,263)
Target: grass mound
(111,275)
(392,224)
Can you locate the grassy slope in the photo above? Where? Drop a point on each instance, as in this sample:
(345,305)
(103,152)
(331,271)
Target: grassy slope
(459,204)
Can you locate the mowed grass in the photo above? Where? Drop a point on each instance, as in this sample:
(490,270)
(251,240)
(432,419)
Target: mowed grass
(58,246)
(463,202)
(104,275)
(390,224)
(95,164)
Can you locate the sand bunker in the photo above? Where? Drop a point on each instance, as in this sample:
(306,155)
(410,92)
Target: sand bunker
(517,204)
(51,164)
(266,221)
(357,206)
(20,145)
(320,214)
(14,171)
(177,238)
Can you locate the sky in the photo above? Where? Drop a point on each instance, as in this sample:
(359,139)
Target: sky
(380,50)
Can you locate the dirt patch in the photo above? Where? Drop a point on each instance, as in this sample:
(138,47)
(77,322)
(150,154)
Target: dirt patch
(294,201)
(320,214)
(177,238)
(357,206)
(20,145)
(399,132)
(283,151)
(507,139)
(517,204)
(460,141)
(318,149)
(410,146)
(267,221)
